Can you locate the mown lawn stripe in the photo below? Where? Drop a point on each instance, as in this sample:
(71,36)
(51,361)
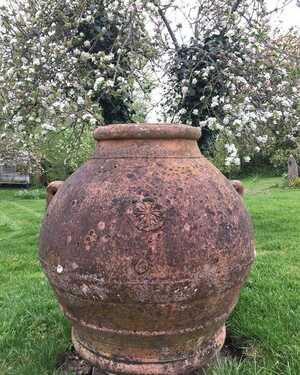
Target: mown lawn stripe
(21,207)
(7,220)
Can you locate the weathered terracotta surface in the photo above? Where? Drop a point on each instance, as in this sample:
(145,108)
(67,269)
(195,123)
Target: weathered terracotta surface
(147,246)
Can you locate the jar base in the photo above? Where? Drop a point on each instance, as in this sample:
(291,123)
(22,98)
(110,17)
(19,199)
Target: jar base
(201,358)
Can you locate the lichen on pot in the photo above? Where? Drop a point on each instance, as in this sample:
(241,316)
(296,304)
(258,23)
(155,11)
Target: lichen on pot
(152,245)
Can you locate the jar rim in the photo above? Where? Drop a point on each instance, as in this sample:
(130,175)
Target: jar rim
(147,131)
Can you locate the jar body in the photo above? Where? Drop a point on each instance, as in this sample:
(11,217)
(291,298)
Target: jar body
(147,246)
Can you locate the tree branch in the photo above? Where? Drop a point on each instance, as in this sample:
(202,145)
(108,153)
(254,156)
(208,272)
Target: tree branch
(167,24)
(236,5)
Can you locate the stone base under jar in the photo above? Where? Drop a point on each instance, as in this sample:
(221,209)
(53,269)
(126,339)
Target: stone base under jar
(115,365)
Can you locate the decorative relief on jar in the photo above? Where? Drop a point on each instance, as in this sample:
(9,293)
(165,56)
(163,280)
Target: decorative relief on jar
(141,266)
(147,215)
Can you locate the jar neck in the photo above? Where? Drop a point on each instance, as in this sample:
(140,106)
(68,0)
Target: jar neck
(147,148)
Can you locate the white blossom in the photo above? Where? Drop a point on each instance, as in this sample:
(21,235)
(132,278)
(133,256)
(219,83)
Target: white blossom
(47,127)
(99,81)
(80,100)
(36,61)
(215,101)
(185,90)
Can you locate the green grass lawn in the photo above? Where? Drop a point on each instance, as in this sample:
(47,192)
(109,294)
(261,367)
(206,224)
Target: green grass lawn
(266,321)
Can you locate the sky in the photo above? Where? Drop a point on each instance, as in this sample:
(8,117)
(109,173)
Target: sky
(290,16)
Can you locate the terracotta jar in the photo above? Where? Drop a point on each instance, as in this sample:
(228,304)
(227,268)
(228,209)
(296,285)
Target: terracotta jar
(147,246)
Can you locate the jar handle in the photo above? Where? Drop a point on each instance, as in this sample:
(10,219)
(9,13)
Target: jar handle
(52,189)
(238,186)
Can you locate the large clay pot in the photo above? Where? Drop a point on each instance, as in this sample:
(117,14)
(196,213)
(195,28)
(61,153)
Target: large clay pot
(147,246)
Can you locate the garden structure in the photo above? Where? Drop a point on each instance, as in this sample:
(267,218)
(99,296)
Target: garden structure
(11,175)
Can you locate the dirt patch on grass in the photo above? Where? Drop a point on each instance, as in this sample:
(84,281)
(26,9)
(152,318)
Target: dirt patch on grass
(234,348)
(70,362)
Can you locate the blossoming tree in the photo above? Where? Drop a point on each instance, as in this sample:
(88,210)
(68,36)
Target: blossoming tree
(232,74)
(67,66)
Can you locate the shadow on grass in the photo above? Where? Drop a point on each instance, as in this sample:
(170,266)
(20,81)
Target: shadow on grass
(235,349)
